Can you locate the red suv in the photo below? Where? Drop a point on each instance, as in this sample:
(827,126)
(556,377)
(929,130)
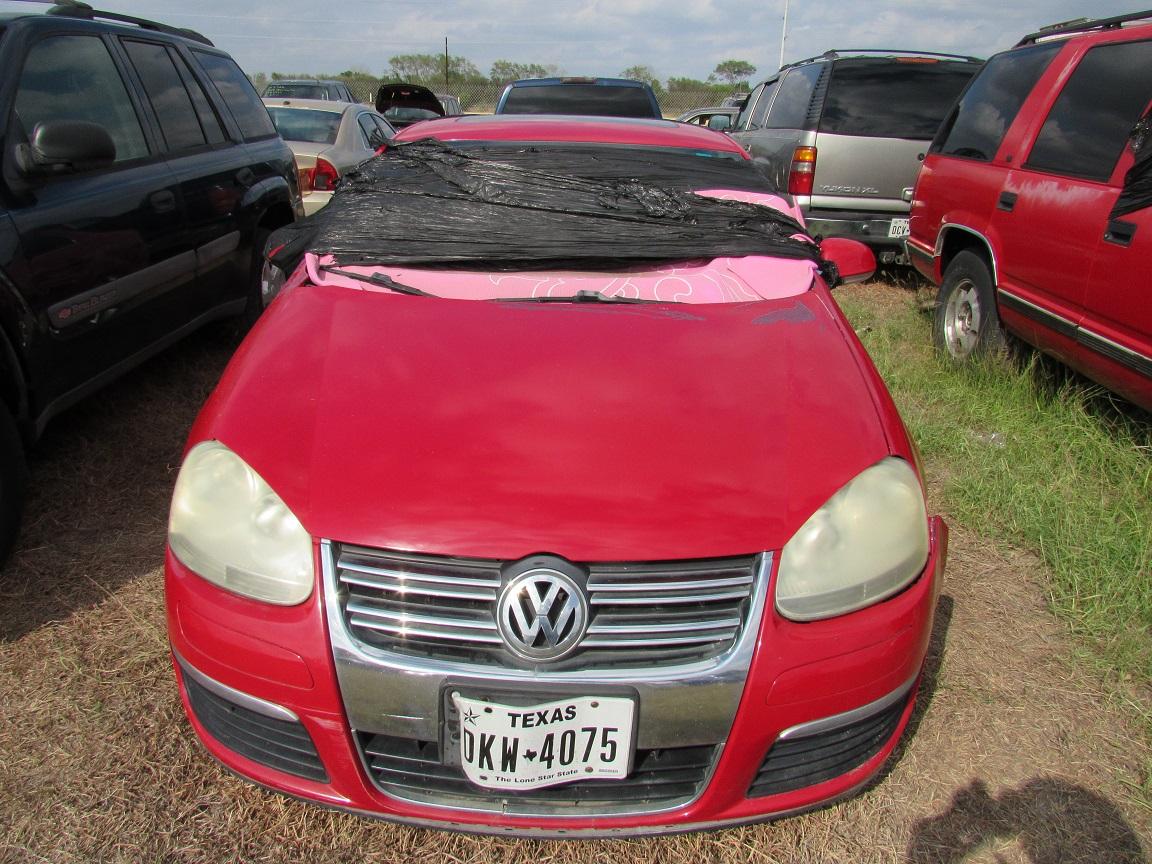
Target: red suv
(1031,208)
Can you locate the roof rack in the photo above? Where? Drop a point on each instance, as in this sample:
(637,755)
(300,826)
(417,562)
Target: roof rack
(76,9)
(837,53)
(1082,25)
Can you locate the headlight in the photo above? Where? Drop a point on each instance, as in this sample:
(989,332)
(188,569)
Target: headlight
(866,543)
(228,526)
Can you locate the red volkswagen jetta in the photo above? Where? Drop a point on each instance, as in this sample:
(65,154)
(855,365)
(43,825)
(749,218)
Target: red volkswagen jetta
(553,495)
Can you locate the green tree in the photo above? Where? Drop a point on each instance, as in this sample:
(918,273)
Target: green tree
(504,71)
(642,73)
(732,71)
(361,82)
(428,69)
(678,84)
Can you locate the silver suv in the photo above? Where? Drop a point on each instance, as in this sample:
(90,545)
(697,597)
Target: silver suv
(844,133)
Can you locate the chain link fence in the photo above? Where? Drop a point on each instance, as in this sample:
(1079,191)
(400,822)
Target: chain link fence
(479,97)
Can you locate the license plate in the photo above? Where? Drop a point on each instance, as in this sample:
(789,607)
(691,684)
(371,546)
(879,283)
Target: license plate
(531,746)
(898,228)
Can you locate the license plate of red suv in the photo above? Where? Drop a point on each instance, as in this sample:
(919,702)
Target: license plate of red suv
(513,747)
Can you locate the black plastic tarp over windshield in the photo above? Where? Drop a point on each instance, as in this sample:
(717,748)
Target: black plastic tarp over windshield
(528,207)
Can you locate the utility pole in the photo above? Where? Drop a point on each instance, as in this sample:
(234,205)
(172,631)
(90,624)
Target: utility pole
(448,89)
(784,32)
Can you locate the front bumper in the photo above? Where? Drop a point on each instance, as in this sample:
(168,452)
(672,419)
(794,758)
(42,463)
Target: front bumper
(259,684)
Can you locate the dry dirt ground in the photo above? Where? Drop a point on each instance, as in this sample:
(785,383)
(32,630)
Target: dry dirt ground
(1015,753)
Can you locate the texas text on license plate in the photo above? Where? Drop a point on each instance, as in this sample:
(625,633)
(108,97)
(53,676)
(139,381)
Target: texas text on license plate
(898,228)
(530,746)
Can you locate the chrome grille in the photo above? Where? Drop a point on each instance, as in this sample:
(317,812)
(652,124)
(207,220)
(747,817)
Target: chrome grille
(654,613)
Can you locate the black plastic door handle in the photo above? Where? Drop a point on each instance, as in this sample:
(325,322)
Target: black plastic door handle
(1120,232)
(1007,201)
(162,202)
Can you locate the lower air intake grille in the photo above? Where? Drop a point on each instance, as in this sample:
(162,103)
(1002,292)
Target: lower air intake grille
(279,744)
(412,769)
(794,763)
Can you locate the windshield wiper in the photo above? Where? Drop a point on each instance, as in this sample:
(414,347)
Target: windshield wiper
(581,296)
(378,279)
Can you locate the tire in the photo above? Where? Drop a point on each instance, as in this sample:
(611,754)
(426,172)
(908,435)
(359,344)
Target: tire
(967,325)
(13,483)
(256,300)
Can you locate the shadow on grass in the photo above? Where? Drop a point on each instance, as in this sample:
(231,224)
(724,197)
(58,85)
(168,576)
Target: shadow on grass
(903,276)
(1052,380)
(100,480)
(1050,820)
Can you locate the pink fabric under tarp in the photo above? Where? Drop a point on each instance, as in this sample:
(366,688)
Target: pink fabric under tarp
(718,280)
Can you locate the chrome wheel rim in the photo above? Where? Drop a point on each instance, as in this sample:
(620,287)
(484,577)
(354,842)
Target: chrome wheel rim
(962,320)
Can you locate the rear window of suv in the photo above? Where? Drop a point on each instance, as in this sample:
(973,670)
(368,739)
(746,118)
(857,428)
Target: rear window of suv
(595,99)
(892,98)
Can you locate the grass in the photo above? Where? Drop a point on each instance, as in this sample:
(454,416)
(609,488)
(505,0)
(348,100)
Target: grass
(1026,453)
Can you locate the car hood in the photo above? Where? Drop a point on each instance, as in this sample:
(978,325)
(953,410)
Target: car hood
(592,431)
(407,96)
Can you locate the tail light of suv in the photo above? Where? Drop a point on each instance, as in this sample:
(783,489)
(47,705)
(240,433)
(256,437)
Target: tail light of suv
(802,172)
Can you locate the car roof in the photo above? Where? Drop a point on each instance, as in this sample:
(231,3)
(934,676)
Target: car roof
(882,55)
(714,109)
(313,104)
(572,129)
(303,81)
(74,11)
(553,82)
(1082,28)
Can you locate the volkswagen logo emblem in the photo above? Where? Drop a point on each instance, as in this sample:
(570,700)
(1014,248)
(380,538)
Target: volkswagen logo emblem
(542,615)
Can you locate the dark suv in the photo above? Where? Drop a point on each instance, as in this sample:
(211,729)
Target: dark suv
(1033,211)
(604,97)
(140,175)
(843,133)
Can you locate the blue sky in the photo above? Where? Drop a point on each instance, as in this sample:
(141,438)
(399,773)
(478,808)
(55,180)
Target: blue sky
(597,37)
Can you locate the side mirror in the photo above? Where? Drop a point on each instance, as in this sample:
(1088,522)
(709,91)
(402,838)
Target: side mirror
(854,261)
(64,147)
(720,122)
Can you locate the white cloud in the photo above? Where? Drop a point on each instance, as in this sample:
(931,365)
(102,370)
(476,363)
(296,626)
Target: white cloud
(597,36)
